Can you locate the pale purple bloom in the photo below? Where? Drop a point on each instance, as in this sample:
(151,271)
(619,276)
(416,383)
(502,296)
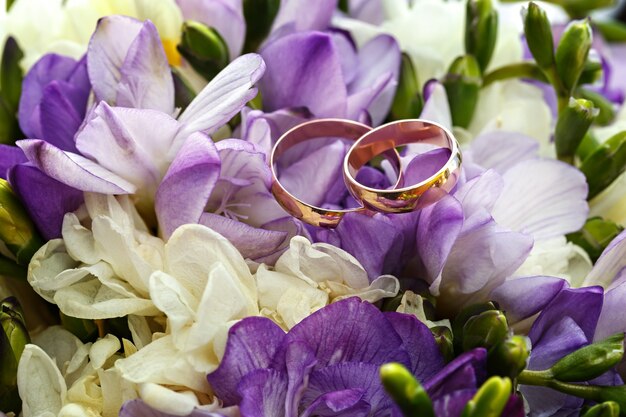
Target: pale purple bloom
(325,73)
(137,408)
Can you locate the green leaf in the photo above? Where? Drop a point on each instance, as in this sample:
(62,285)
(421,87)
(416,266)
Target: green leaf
(538,33)
(572,52)
(595,236)
(590,361)
(572,126)
(605,164)
(11,74)
(259,15)
(481,31)
(406,391)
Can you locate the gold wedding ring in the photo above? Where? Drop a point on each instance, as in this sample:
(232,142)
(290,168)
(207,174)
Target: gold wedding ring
(391,136)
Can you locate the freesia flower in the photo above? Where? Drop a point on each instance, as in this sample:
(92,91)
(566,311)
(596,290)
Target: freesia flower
(59,375)
(329,362)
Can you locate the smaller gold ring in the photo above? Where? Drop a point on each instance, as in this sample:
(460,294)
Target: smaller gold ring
(392,136)
(319,128)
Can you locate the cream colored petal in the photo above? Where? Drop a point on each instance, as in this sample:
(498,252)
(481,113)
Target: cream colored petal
(87,392)
(320,262)
(78,364)
(79,241)
(115,391)
(78,410)
(140,331)
(162,363)
(191,252)
(92,300)
(173,299)
(295,305)
(271,286)
(40,384)
(103,349)
(59,344)
(168,401)
(382,287)
(50,260)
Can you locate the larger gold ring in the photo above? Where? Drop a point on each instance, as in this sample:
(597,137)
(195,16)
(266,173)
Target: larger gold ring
(392,136)
(318,128)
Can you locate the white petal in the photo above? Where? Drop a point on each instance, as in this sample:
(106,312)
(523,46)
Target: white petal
(168,401)
(103,349)
(544,198)
(41,385)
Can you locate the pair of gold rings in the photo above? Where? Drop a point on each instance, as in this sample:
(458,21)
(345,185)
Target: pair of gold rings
(370,143)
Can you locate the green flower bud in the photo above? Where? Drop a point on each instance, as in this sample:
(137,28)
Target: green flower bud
(443,337)
(509,357)
(605,164)
(408,101)
(606,409)
(490,399)
(464,315)
(595,236)
(590,361)
(462,84)
(481,30)
(572,125)
(539,35)
(204,49)
(592,72)
(607,111)
(485,330)
(10,90)
(13,339)
(17,231)
(572,52)
(406,391)
(259,15)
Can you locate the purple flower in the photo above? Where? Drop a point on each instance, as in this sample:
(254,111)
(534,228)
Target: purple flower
(328,364)
(326,74)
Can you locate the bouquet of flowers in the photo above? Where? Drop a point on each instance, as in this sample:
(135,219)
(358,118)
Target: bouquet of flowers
(355,208)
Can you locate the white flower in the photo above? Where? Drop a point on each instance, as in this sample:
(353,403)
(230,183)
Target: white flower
(43,26)
(102,266)
(58,375)
(309,276)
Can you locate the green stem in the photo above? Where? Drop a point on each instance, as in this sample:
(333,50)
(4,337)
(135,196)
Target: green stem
(540,378)
(10,269)
(520,70)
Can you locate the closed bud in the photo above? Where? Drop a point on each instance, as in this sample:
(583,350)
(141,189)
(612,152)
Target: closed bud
(490,399)
(572,52)
(462,84)
(406,391)
(590,361)
(538,35)
(13,339)
(443,337)
(571,126)
(485,330)
(605,164)
(204,49)
(17,231)
(509,357)
(606,409)
(464,315)
(408,102)
(481,30)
